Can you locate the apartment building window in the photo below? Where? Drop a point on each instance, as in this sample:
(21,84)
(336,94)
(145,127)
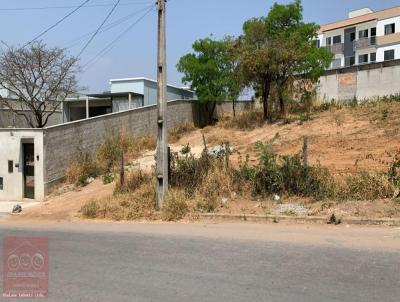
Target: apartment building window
(328,41)
(337,39)
(372,57)
(363,59)
(318,43)
(389,55)
(10,166)
(362,34)
(390,29)
(373,32)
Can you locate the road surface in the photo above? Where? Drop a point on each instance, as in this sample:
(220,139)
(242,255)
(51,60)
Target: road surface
(224,262)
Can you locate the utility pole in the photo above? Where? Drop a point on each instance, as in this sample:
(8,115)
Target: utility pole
(162,136)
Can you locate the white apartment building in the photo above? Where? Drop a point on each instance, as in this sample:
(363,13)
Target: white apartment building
(365,37)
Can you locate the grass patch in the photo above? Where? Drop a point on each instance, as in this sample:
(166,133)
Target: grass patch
(244,120)
(176,133)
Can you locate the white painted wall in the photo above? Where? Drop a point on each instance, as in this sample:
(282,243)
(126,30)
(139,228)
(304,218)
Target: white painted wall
(11,149)
(380,54)
(381,25)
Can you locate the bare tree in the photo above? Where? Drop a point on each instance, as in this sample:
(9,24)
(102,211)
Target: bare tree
(38,79)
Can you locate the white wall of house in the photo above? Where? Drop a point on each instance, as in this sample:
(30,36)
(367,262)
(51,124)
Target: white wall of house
(382,23)
(11,149)
(380,54)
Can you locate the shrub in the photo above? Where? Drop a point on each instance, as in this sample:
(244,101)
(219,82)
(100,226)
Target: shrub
(175,207)
(187,172)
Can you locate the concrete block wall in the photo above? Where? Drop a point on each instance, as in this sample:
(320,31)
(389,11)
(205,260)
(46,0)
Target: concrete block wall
(10,119)
(363,82)
(63,143)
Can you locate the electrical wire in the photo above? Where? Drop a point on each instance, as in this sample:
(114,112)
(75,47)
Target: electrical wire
(57,23)
(99,28)
(70,6)
(77,40)
(112,44)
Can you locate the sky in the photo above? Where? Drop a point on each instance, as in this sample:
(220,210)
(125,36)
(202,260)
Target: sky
(134,53)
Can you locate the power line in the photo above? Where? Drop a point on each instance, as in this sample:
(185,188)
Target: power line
(112,44)
(117,22)
(55,24)
(71,6)
(99,28)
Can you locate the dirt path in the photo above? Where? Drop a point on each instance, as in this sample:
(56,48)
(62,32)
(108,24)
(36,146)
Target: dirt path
(64,207)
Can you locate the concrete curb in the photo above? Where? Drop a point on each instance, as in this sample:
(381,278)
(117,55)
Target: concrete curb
(297,219)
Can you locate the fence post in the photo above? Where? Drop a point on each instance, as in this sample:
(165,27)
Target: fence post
(122,170)
(305,152)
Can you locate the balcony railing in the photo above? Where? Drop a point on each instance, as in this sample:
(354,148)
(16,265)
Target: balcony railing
(337,48)
(365,43)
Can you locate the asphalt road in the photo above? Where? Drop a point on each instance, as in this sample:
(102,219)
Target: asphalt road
(167,263)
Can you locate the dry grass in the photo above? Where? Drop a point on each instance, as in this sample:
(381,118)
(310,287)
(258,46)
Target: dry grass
(176,133)
(245,120)
(140,204)
(133,181)
(175,207)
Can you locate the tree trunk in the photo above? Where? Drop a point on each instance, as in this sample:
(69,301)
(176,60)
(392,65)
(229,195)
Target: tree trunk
(282,105)
(265,95)
(233,108)
(210,111)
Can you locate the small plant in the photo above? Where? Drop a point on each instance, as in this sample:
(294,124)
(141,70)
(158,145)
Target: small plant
(334,220)
(107,178)
(90,209)
(385,114)
(82,180)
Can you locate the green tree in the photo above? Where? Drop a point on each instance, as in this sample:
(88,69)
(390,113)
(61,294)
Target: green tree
(278,50)
(209,70)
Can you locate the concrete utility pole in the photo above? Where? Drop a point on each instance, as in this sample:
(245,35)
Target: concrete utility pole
(162,137)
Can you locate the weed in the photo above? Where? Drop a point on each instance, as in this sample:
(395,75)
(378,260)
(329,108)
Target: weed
(334,220)
(385,114)
(90,209)
(107,178)
(175,207)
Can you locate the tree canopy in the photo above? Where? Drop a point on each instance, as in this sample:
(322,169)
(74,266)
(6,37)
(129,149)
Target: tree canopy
(39,78)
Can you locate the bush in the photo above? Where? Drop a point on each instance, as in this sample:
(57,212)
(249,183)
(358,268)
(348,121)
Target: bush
(187,172)
(175,207)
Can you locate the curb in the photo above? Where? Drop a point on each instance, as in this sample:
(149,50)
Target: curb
(297,219)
